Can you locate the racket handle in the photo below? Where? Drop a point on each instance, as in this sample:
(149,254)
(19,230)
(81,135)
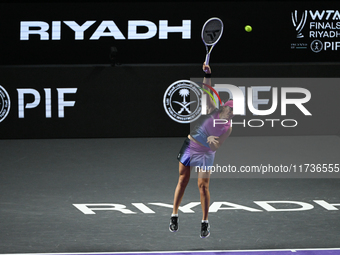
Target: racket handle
(207,58)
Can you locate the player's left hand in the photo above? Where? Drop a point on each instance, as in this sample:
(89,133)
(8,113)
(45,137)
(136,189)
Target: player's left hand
(212,139)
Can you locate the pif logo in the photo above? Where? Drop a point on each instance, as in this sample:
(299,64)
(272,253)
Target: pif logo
(182,101)
(5,103)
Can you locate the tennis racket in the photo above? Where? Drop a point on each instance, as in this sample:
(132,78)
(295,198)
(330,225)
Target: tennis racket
(211,33)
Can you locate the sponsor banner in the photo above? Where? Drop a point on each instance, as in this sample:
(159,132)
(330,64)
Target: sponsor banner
(317,30)
(84,102)
(148,32)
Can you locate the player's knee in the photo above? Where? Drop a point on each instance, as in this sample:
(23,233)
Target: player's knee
(183,180)
(203,187)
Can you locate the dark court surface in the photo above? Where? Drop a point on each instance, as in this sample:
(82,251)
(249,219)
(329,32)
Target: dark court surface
(115,195)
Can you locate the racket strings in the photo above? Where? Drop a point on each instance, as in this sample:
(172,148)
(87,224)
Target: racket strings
(212,32)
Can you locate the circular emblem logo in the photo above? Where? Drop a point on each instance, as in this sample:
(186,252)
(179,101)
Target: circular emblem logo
(182,101)
(5,103)
(316,46)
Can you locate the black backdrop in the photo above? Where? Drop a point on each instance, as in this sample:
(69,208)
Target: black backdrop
(126,100)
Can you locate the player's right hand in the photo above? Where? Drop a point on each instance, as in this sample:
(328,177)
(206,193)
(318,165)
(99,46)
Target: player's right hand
(206,68)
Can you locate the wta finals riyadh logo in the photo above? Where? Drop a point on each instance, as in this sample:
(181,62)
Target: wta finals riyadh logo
(5,103)
(182,100)
(299,24)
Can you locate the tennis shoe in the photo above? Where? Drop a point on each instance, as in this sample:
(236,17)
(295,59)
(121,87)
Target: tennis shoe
(205,230)
(173,227)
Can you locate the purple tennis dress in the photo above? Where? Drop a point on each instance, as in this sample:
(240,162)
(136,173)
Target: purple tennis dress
(193,154)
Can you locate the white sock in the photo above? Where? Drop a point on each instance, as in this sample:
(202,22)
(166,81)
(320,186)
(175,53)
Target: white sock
(205,221)
(174,215)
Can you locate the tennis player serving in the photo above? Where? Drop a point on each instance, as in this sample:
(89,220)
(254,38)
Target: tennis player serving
(198,151)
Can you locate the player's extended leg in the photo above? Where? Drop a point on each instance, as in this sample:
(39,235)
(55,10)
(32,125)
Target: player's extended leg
(203,186)
(183,179)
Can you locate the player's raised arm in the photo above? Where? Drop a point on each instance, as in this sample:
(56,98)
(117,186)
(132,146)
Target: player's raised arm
(207,80)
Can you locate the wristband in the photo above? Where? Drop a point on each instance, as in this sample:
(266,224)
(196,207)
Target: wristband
(207,75)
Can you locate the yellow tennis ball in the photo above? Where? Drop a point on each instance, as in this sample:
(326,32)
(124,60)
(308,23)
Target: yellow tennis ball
(248,28)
